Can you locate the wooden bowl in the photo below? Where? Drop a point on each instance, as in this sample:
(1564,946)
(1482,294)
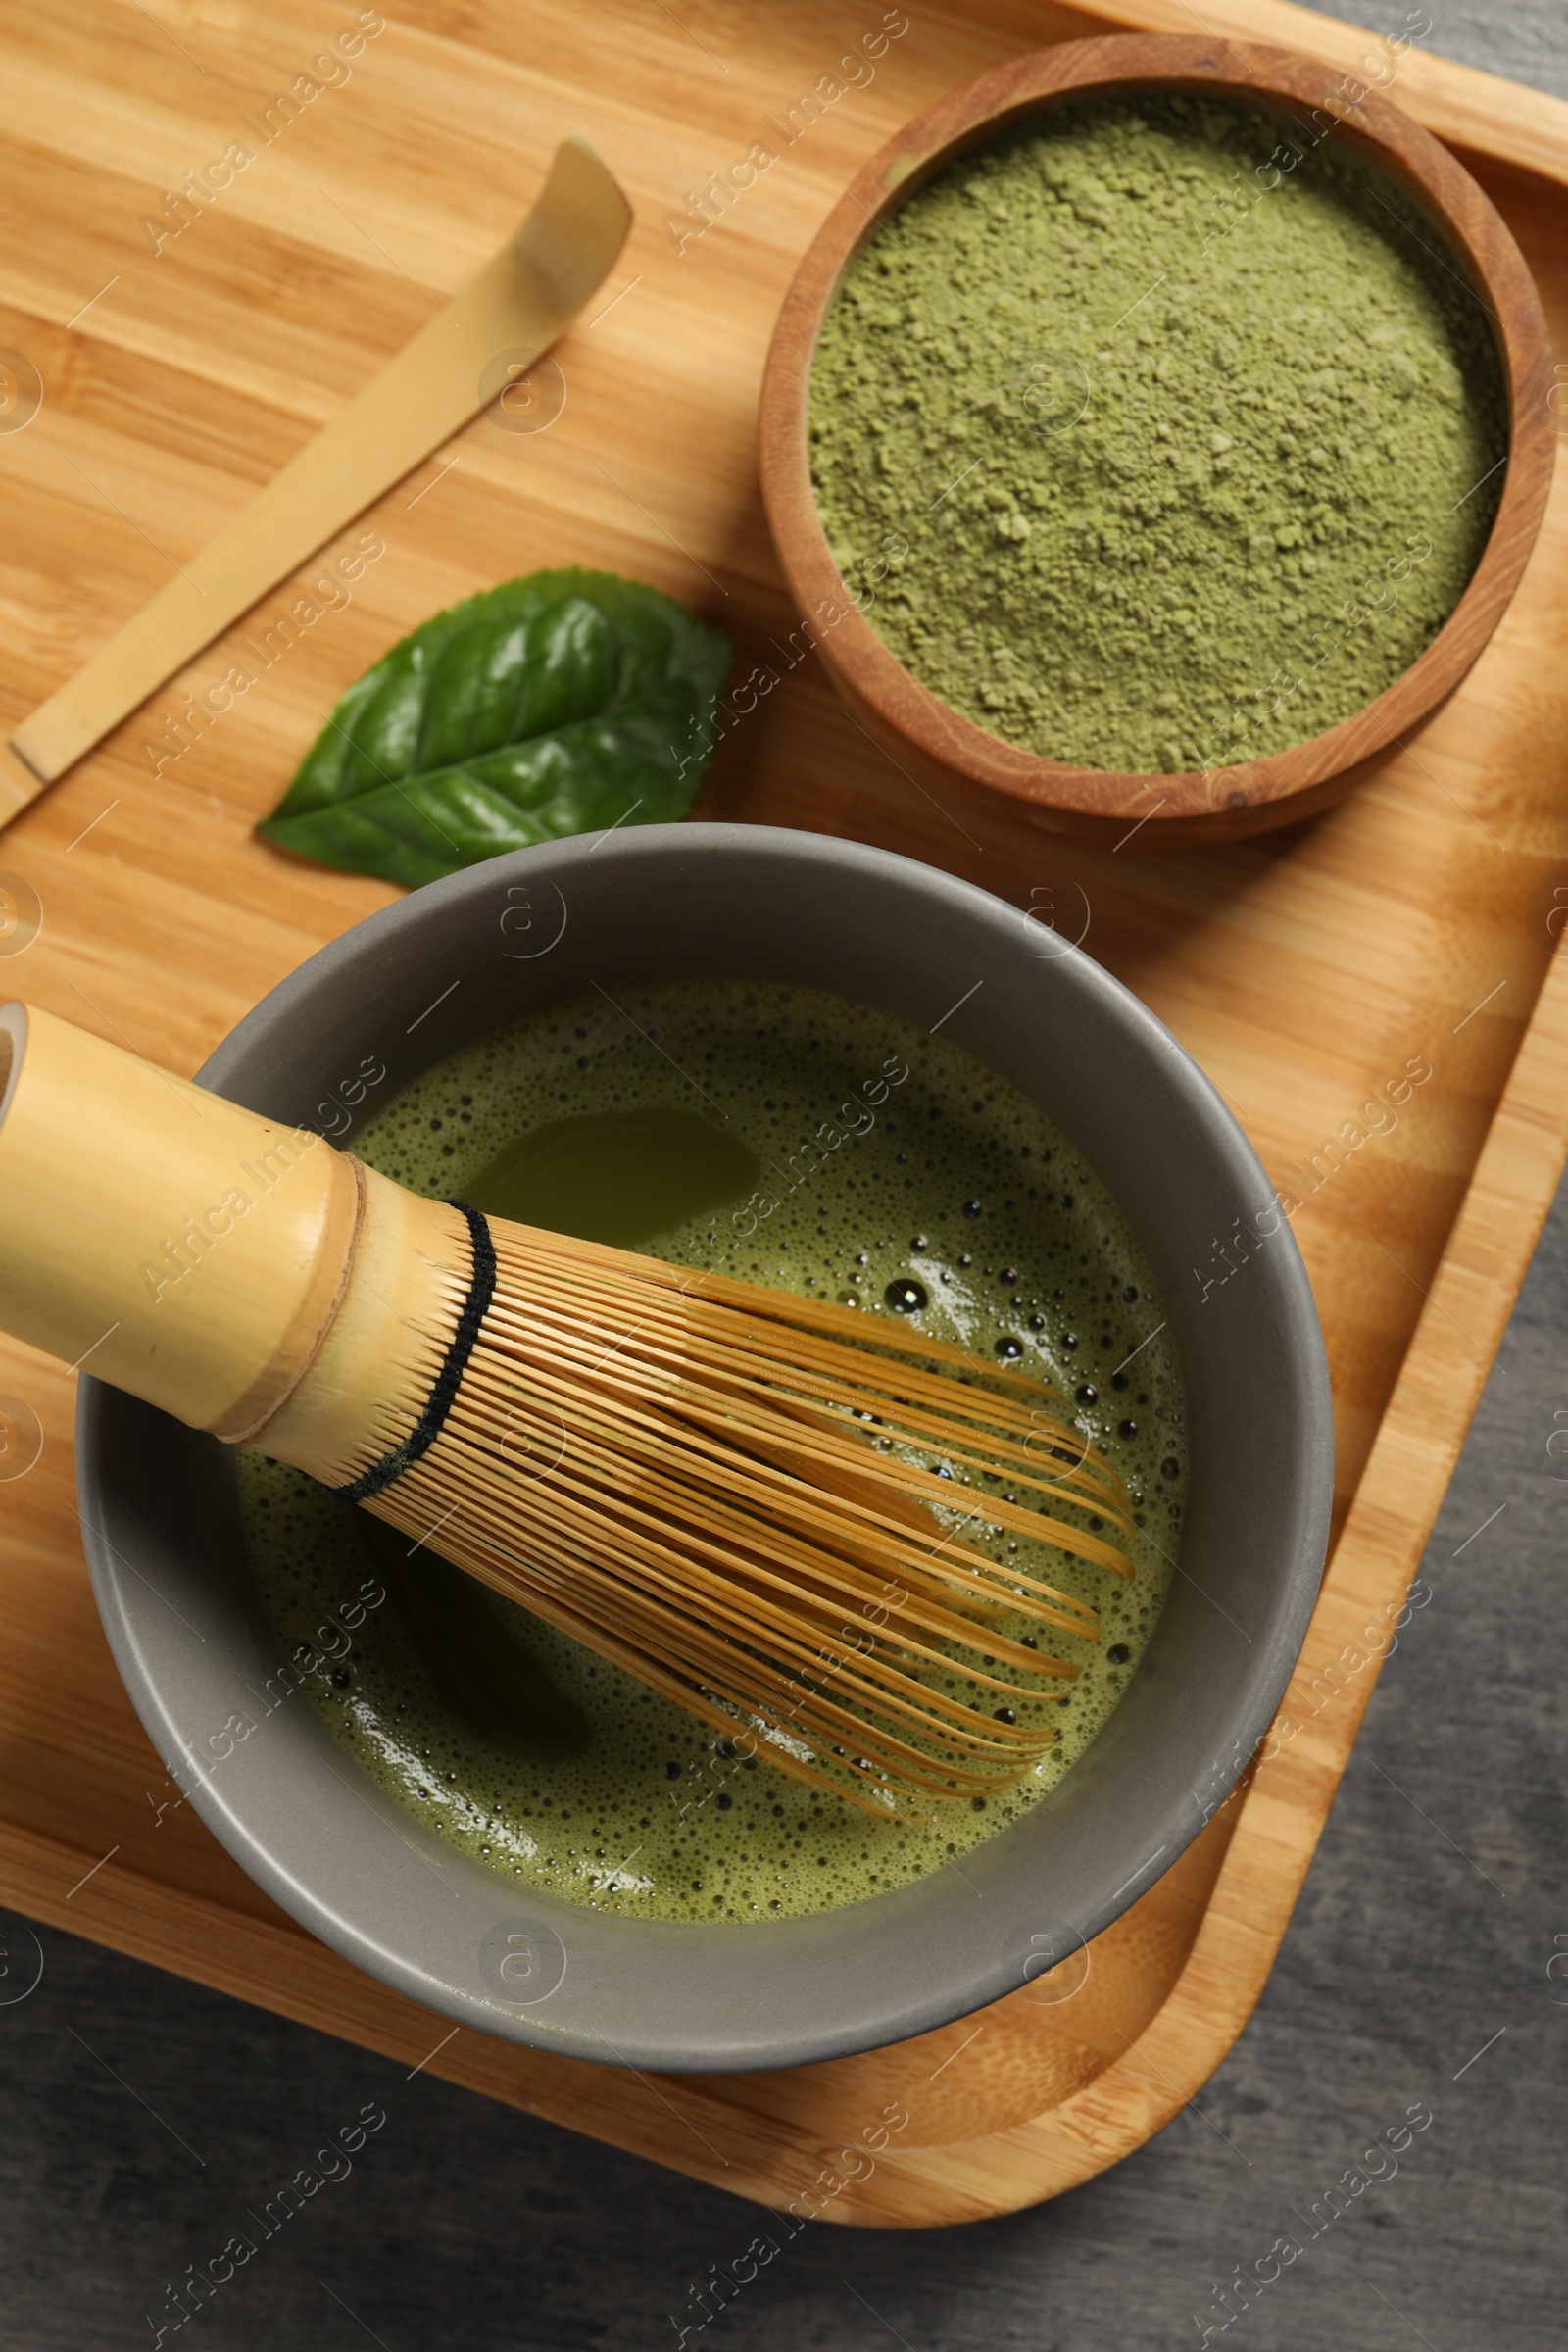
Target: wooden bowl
(935,742)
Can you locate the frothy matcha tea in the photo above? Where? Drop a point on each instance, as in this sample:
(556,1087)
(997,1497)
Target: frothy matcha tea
(783,1137)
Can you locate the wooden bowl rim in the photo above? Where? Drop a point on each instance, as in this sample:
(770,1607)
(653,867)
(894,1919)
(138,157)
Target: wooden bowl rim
(982,109)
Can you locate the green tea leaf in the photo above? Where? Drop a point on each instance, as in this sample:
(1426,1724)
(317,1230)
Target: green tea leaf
(564,703)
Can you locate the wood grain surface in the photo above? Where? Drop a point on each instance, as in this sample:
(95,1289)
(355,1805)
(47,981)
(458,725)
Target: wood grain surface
(519,304)
(1413,925)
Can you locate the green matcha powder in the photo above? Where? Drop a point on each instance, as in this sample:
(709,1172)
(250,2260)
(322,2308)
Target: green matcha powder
(1154,438)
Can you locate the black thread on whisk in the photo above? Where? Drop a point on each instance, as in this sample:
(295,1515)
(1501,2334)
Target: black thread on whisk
(448,1380)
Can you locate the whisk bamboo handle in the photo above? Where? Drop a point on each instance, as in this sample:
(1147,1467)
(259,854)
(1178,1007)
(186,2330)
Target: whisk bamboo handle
(663,1464)
(238,1273)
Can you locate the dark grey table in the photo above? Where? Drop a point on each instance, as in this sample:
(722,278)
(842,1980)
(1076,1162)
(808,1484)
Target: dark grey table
(1426,1970)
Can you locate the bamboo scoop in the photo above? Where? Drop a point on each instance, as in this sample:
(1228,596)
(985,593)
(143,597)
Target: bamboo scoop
(727,1492)
(520,302)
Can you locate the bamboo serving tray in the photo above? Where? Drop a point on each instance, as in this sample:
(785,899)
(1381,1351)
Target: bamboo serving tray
(1411,929)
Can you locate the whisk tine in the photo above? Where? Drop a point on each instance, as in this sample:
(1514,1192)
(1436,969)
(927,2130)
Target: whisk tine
(778,1513)
(792,1503)
(859,1381)
(679,1470)
(732,1396)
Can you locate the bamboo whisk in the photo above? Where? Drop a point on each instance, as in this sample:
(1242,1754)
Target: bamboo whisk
(725,1490)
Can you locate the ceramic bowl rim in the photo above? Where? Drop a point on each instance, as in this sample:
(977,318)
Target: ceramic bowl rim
(839,1981)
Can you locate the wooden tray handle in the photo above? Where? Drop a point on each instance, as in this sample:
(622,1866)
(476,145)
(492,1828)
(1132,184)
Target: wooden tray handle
(174,1244)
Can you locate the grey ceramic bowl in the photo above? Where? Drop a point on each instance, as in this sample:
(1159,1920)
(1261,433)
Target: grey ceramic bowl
(453,960)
